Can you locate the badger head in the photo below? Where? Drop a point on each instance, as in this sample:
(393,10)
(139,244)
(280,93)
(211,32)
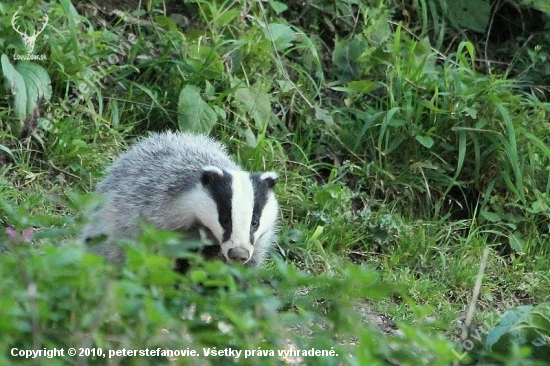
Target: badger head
(238,208)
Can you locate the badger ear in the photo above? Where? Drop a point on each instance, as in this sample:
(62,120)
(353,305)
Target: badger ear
(210,174)
(270,178)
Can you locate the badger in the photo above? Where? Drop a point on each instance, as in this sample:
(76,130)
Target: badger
(185,182)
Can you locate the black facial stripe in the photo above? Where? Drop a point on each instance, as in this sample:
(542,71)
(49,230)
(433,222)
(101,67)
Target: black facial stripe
(261,194)
(219,189)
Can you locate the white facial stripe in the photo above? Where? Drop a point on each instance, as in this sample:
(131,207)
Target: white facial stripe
(241,213)
(205,210)
(271,175)
(268,216)
(214,169)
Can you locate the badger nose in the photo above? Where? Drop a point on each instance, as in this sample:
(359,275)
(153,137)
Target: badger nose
(238,254)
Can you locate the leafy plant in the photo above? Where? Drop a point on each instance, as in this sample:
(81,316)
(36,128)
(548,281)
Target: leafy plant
(29,85)
(524,326)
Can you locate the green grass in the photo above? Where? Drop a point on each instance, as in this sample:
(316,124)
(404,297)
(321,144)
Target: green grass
(401,158)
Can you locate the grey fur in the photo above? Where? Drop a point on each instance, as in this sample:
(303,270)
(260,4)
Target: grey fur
(149,182)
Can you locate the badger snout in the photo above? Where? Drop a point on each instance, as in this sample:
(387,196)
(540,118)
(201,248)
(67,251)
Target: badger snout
(240,255)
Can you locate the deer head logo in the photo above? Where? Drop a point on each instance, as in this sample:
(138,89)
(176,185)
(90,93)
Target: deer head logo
(29,40)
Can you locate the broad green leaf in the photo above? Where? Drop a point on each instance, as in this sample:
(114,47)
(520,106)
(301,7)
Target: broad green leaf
(293,235)
(29,84)
(346,56)
(490,216)
(205,61)
(226,17)
(285,86)
(471,14)
(166,22)
(523,326)
(280,34)
(505,324)
(209,90)
(254,101)
(220,112)
(277,6)
(426,141)
(538,318)
(251,139)
(517,242)
(542,5)
(538,207)
(15,85)
(37,83)
(324,115)
(194,114)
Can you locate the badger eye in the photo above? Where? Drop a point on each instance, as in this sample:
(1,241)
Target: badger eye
(255,222)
